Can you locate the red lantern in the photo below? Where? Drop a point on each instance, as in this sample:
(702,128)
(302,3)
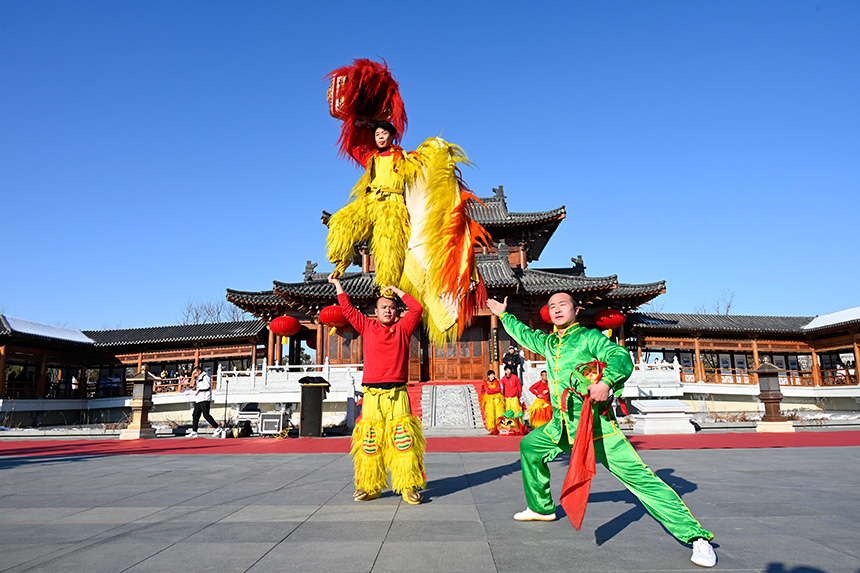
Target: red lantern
(333,316)
(544,314)
(609,318)
(312,343)
(284,326)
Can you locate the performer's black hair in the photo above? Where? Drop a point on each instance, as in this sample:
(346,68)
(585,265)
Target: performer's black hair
(490,372)
(543,371)
(387,126)
(508,367)
(568,293)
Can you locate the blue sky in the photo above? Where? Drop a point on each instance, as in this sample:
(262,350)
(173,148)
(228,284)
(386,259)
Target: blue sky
(157,152)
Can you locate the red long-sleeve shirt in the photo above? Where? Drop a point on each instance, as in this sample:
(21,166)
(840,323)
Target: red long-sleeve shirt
(385,348)
(492,386)
(540,389)
(512,386)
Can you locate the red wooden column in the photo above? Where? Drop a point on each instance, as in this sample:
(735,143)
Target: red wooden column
(698,367)
(320,343)
(816,370)
(270,349)
(856,360)
(3,369)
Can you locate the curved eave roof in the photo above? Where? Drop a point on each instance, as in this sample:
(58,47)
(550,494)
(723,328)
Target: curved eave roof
(357,285)
(718,323)
(535,281)
(180,333)
(28,330)
(625,290)
(834,321)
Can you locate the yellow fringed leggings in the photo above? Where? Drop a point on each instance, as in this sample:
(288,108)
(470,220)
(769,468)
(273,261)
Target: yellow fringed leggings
(388,438)
(494,408)
(514,404)
(379,216)
(540,412)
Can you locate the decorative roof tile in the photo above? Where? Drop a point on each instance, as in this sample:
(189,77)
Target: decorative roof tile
(316,285)
(632,290)
(180,333)
(536,281)
(717,323)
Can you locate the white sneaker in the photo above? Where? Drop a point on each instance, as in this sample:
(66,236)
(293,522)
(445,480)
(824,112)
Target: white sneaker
(191,435)
(529,515)
(217,432)
(703,553)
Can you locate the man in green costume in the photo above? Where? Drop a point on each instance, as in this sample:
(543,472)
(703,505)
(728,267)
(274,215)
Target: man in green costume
(568,346)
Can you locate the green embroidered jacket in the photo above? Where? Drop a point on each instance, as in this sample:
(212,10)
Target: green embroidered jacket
(563,353)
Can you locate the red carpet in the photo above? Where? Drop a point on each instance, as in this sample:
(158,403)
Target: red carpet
(449,444)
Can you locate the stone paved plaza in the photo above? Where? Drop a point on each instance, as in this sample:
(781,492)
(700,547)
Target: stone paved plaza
(776,510)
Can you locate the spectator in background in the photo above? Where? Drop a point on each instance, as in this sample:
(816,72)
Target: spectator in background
(202,402)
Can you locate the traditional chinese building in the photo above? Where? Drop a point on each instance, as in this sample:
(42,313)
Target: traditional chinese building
(519,239)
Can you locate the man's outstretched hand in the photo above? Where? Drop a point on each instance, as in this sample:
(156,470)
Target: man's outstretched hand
(497,307)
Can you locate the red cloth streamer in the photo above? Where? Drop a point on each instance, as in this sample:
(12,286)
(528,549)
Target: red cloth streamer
(577,483)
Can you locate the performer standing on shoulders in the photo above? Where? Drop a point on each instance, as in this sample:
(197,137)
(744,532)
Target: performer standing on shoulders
(568,346)
(492,401)
(388,437)
(540,412)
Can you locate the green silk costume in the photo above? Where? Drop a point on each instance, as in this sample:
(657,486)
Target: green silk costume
(578,345)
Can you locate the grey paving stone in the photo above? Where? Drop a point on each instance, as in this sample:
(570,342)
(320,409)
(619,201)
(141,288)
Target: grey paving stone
(198,557)
(441,557)
(324,555)
(100,558)
(367,531)
(436,531)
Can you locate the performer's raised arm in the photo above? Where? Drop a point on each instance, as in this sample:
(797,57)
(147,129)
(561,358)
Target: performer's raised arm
(534,340)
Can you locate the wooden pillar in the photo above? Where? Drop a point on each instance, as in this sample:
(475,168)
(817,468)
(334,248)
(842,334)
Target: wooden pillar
(639,354)
(3,370)
(279,350)
(622,337)
(699,368)
(755,354)
(270,349)
(816,370)
(139,361)
(856,361)
(320,343)
(197,357)
(494,343)
(40,380)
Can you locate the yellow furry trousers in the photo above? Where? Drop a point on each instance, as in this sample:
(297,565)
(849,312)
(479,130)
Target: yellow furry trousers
(380,217)
(388,438)
(494,408)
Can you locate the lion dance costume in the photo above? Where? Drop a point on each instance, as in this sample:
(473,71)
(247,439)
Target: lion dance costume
(411,206)
(540,412)
(492,403)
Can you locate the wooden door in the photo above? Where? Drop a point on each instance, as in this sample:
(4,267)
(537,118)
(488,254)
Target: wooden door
(463,361)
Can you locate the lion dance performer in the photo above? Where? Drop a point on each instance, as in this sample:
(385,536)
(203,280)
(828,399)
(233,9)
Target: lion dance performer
(388,437)
(492,401)
(411,206)
(566,348)
(540,412)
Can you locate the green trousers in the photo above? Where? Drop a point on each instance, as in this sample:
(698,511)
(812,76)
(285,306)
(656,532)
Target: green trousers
(613,450)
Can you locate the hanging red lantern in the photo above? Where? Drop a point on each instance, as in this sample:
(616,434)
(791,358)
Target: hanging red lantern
(333,316)
(312,343)
(609,318)
(544,314)
(284,326)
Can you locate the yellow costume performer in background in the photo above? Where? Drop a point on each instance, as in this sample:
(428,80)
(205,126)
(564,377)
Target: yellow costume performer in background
(492,401)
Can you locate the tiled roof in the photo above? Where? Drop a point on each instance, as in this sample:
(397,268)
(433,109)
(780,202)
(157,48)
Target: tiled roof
(180,333)
(834,320)
(496,271)
(533,229)
(630,290)
(316,285)
(542,282)
(717,323)
(266,297)
(29,329)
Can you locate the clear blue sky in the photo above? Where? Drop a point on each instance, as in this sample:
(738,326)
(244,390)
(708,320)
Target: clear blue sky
(153,152)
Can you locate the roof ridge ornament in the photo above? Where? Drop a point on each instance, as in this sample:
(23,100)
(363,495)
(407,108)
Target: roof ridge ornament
(578,266)
(309,271)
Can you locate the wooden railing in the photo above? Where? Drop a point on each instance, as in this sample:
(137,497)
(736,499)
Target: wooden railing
(838,377)
(744,376)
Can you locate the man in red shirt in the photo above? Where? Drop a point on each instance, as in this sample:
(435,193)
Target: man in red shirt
(512,388)
(388,436)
